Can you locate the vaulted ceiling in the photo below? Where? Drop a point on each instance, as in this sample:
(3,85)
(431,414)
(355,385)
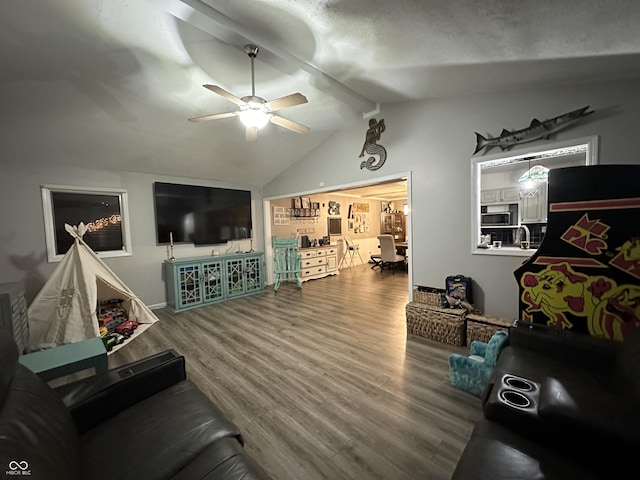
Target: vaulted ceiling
(111,83)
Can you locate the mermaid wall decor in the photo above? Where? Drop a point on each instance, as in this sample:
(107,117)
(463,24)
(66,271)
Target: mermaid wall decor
(371,147)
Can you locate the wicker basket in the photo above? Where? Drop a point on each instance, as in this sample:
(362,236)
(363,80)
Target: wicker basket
(429,296)
(445,325)
(482,328)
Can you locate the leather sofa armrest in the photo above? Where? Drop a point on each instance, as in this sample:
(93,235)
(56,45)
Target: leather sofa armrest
(93,400)
(599,416)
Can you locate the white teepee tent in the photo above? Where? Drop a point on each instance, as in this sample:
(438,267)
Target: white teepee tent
(64,311)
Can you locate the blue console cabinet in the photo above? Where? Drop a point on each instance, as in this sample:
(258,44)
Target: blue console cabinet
(197,281)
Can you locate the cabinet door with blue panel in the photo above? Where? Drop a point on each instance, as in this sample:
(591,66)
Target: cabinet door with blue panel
(212,281)
(235,276)
(189,287)
(244,275)
(253,274)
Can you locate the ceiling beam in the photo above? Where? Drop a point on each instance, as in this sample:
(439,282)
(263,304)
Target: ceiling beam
(220,26)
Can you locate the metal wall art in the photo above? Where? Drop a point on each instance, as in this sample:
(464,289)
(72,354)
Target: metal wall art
(371,147)
(535,131)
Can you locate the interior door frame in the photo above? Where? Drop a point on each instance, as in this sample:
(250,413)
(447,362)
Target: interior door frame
(268,249)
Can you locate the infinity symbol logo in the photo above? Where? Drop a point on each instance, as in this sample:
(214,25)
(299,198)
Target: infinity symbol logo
(23,465)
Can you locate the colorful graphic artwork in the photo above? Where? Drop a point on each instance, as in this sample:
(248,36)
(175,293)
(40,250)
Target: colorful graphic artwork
(586,274)
(561,293)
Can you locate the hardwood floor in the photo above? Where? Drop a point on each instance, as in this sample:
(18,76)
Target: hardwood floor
(324,382)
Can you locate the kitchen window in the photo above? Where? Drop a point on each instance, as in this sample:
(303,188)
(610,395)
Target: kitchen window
(502,210)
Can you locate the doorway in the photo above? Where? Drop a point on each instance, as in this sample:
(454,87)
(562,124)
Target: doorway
(360,206)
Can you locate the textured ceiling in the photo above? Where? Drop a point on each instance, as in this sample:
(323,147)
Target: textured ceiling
(112,83)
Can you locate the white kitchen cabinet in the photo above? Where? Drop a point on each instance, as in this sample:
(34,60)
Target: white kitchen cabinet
(500,195)
(534,209)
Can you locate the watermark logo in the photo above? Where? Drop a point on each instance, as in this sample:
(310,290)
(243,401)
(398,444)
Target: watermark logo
(18,468)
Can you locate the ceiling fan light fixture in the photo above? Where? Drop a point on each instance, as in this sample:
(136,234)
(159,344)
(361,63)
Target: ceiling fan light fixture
(253,116)
(255,112)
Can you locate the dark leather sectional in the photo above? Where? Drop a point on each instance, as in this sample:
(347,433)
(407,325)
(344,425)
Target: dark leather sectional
(144,420)
(559,405)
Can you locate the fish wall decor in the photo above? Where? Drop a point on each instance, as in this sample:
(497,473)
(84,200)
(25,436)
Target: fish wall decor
(535,131)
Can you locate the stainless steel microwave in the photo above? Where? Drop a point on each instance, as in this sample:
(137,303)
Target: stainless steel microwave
(499,215)
(496,219)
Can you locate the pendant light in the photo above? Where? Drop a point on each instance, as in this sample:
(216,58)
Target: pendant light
(531,180)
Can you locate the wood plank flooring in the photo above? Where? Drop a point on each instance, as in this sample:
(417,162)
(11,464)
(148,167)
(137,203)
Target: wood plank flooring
(324,382)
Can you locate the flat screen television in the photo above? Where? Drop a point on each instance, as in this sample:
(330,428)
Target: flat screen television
(201,215)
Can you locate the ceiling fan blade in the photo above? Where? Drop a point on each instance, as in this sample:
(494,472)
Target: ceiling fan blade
(212,117)
(288,101)
(293,126)
(229,96)
(251,134)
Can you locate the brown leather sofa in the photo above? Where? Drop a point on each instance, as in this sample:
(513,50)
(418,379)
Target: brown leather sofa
(144,420)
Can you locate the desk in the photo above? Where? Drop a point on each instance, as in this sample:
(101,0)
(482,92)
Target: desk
(401,249)
(67,359)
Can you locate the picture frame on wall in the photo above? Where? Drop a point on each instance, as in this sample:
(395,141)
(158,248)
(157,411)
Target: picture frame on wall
(384,206)
(360,207)
(334,226)
(281,216)
(350,224)
(297,202)
(306,202)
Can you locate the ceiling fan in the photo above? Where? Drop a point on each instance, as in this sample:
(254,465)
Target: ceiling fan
(255,112)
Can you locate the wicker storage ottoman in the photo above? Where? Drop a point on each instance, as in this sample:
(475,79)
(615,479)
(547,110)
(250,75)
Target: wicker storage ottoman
(430,296)
(482,327)
(445,325)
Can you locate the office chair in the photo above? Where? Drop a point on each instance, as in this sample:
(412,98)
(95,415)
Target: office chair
(350,251)
(388,257)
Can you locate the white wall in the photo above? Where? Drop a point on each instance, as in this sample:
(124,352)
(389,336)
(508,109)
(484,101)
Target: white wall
(22,244)
(435,139)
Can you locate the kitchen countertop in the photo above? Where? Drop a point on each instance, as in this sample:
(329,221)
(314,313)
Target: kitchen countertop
(505,251)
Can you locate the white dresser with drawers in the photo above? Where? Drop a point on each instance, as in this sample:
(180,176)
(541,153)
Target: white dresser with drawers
(318,262)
